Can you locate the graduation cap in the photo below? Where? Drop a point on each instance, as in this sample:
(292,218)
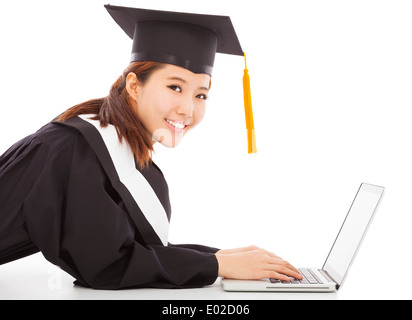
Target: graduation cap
(186,40)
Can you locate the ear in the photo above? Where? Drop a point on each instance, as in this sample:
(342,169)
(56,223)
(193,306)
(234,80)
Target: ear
(132,85)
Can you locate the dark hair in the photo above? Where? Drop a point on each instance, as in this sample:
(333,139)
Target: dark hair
(115,109)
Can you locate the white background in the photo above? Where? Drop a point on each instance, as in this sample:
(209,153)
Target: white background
(331,89)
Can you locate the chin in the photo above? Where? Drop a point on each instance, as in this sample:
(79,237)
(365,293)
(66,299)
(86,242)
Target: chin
(166,138)
(171,144)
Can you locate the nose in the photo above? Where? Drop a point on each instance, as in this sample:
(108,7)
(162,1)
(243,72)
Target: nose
(186,108)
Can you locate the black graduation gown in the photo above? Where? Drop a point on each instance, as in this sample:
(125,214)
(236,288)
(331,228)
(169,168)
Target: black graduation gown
(59,195)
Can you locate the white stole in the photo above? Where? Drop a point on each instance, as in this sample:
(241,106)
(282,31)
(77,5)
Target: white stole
(124,163)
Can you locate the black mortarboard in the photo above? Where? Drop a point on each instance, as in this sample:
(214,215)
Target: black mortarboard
(184,39)
(187,40)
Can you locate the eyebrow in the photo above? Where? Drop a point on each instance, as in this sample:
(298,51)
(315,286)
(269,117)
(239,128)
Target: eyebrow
(184,82)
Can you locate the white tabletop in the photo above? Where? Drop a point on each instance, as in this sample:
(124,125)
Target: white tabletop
(35,278)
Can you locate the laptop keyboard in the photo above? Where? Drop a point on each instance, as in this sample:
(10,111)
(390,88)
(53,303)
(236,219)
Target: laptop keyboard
(309,277)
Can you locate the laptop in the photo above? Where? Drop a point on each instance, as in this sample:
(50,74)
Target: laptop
(332,275)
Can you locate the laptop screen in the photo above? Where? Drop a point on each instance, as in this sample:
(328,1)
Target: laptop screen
(352,232)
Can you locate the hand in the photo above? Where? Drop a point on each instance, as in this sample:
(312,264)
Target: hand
(237,250)
(253,263)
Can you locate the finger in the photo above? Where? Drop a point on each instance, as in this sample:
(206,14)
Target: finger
(282,262)
(289,273)
(292,268)
(282,269)
(275,275)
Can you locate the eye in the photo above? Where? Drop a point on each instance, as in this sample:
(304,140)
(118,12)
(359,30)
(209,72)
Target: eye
(202,96)
(175,88)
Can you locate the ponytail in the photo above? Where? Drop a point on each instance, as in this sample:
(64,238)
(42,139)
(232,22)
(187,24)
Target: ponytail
(115,109)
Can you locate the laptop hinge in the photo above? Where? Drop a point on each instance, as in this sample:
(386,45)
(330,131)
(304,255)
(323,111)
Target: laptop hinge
(328,277)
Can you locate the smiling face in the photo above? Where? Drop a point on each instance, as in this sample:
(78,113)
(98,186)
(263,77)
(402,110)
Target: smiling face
(170,103)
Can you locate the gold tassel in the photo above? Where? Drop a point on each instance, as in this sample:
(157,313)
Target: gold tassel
(250,127)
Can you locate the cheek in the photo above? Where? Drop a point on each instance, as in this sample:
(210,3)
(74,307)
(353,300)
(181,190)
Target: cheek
(162,106)
(152,109)
(199,113)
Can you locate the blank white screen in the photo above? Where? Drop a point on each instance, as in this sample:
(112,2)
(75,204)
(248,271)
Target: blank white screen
(352,231)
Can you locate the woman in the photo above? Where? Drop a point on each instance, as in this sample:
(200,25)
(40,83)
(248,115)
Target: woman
(84,191)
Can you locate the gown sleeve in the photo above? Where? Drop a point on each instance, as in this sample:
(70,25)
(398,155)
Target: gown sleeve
(78,222)
(197,247)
